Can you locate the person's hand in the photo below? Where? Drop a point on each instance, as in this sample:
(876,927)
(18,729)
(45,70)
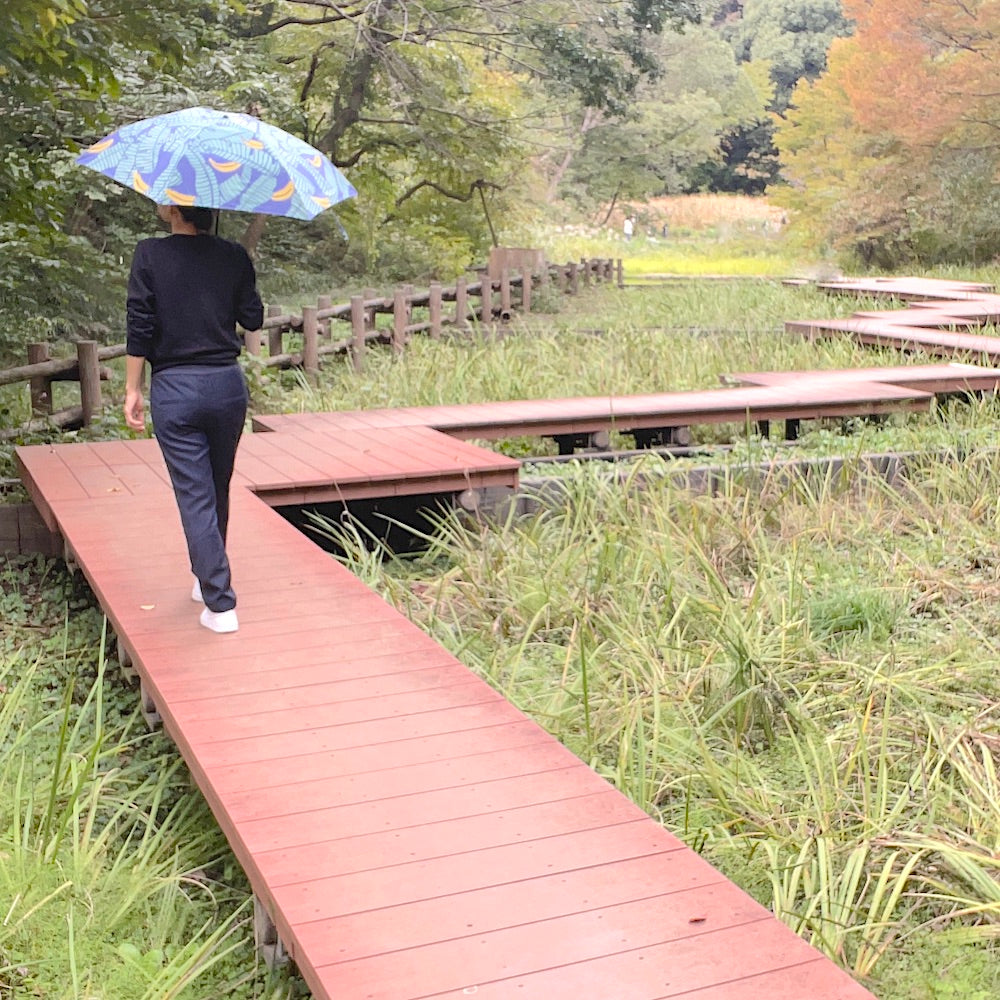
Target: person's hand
(135,409)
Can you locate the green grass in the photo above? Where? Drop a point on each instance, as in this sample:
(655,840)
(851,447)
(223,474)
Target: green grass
(114,879)
(803,688)
(798,677)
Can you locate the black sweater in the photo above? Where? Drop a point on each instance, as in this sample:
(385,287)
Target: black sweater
(185,296)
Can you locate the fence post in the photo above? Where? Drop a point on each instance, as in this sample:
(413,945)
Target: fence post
(275,337)
(585,272)
(39,386)
(408,290)
(252,341)
(574,277)
(486,300)
(310,341)
(527,277)
(359,325)
(434,309)
(90,379)
(621,272)
(400,312)
(326,325)
(369,294)
(505,310)
(461,303)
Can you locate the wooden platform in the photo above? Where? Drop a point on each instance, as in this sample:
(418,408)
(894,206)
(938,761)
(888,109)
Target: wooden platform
(586,415)
(411,833)
(938,379)
(943,318)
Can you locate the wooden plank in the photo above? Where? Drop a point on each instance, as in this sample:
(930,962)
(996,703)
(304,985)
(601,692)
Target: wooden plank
(585,823)
(939,378)
(688,919)
(394,885)
(297,796)
(655,972)
(441,749)
(428,921)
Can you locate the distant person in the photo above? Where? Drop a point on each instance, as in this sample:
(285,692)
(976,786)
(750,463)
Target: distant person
(665,230)
(186,293)
(628,228)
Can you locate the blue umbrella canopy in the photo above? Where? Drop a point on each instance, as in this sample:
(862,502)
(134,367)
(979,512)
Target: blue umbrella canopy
(219,159)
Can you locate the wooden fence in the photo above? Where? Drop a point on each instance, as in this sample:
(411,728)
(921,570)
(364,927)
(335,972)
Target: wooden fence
(303,339)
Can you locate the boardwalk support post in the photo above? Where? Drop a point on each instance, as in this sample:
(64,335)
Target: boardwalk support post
(594,441)
(400,319)
(662,437)
(265,936)
(125,661)
(469,500)
(506,310)
(149,712)
(434,300)
(461,304)
(310,342)
(275,334)
(325,303)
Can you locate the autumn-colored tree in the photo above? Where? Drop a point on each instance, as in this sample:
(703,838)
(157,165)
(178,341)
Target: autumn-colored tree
(908,107)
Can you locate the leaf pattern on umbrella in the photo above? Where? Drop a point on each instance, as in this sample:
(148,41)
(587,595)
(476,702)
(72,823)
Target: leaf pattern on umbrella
(220,160)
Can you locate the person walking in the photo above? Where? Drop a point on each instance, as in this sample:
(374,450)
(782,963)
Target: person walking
(186,294)
(628,227)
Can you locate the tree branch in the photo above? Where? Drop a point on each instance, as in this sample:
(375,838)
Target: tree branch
(476,185)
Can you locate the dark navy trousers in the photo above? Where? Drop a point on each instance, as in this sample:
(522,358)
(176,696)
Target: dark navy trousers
(198,415)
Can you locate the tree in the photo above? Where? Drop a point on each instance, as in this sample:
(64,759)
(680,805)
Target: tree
(790,38)
(64,67)
(436,108)
(915,95)
(676,122)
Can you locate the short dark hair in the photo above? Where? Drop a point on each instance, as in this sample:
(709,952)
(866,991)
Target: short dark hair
(202,218)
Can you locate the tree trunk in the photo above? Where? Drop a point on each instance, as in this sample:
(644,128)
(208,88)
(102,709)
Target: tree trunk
(611,207)
(591,119)
(253,232)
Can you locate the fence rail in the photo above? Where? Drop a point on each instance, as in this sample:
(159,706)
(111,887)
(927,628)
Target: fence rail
(303,339)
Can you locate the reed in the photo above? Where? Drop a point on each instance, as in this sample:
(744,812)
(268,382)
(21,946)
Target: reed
(729,664)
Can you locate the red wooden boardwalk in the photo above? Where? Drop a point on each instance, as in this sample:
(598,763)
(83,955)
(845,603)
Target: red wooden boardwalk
(411,833)
(586,414)
(938,379)
(943,318)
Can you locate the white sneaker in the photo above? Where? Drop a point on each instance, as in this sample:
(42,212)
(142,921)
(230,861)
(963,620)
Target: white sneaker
(196,591)
(219,621)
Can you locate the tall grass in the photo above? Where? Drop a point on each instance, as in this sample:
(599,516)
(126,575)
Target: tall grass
(830,743)
(606,341)
(114,879)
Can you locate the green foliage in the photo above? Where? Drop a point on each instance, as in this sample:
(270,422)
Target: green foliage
(115,878)
(791,36)
(691,650)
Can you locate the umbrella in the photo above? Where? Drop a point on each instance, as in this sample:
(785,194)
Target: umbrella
(219,159)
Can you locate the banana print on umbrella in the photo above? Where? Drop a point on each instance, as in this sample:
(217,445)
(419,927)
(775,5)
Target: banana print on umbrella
(219,159)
